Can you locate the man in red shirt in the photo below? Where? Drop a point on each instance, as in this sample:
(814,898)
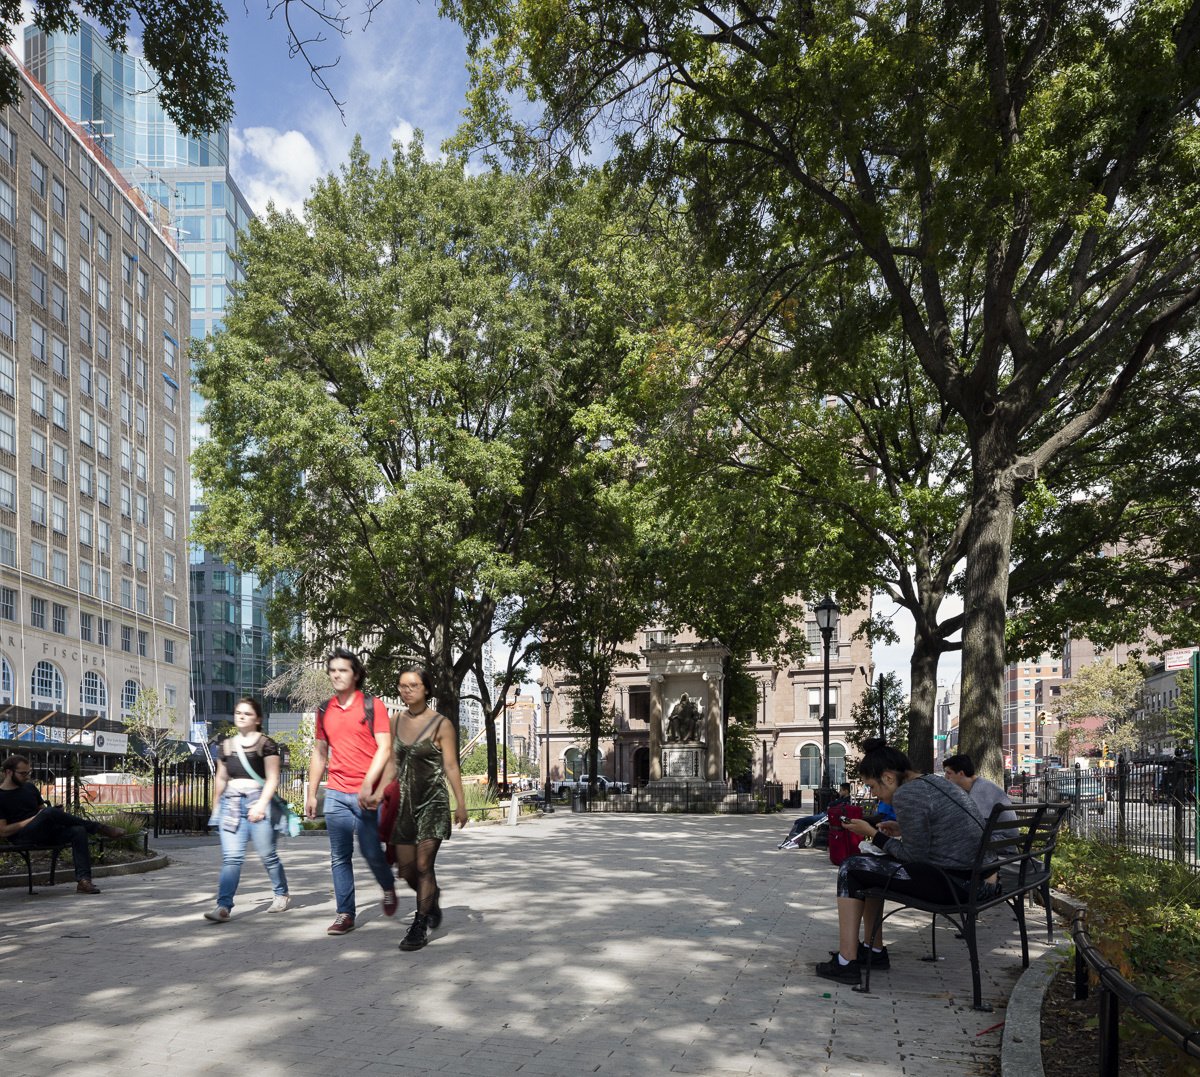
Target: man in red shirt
(355,748)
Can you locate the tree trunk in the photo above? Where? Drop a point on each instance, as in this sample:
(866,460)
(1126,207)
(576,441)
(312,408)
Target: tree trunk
(922,700)
(493,769)
(985,599)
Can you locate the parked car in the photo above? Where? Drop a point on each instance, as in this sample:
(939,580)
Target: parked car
(604,785)
(1065,784)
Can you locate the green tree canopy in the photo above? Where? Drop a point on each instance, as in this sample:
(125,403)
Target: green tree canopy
(1018,182)
(400,399)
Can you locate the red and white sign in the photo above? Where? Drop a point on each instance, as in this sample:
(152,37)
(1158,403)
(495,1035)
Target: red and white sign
(1179,659)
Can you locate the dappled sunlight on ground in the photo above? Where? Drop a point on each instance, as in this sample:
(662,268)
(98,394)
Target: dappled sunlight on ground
(611,944)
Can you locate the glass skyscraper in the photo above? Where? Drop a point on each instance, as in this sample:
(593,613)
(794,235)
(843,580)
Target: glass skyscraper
(187,182)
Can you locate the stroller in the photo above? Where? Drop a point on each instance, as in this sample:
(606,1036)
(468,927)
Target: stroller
(806,830)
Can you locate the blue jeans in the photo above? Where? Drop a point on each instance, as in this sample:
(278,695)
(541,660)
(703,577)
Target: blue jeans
(233,849)
(343,817)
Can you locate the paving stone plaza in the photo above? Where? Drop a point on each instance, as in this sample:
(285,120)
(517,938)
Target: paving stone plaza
(572,944)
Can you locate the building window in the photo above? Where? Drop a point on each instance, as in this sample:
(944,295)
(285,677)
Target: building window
(127,639)
(104,590)
(8,433)
(58,514)
(58,410)
(169,523)
(46,687)
(8,604)
(8,380)
(103,439)
(103,631)
(169,481)
(37,398)
(59,614)
(169,608)
(169,566)
(168,438)
(85,577)
(169,651)
(810,765)
(60,461)
(143,603)
(58,567)
(126,595)
(8,547)
(93,695)
(143,641)
(37,286)
(8,490)
(129,696)
(37,612)
(58,250)
(37,505)
(85,627)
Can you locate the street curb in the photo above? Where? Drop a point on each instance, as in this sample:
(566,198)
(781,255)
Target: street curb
(1021,1045)
(99,871)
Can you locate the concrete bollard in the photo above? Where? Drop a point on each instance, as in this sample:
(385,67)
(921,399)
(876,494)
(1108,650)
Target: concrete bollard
(514,809)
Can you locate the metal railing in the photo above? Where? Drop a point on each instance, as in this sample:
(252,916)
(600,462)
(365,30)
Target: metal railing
(1115,992)
(1145,806)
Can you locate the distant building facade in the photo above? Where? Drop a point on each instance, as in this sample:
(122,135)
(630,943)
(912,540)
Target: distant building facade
(787,719)
(94,414)
(188,187)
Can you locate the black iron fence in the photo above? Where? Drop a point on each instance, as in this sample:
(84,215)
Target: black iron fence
(685,798)
(1115,992)
(1145,805)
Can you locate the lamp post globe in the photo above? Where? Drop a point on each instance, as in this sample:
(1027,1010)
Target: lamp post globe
(826,612)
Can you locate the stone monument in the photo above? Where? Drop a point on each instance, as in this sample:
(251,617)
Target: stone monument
(687,744)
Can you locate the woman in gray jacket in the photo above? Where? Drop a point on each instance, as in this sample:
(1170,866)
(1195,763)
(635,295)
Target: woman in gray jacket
(941,828)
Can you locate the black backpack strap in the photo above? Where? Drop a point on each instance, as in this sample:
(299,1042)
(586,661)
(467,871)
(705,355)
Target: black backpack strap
(369,711)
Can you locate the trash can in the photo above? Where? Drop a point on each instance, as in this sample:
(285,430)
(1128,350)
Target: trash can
(576,800)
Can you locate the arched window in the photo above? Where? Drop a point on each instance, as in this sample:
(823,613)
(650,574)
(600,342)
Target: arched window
(810,766)
(129,696)
(837,764)
(6,682)
(46,687)
(573,763)
(93,695)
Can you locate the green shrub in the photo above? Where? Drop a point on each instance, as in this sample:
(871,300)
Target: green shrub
(1144,916)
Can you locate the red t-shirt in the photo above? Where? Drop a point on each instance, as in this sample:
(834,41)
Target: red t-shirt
(351,744)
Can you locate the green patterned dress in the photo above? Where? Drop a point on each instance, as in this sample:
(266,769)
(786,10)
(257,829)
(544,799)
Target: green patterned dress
(424,808)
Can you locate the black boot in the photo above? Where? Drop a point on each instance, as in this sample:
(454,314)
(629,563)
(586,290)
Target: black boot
(435,911)
(418,933)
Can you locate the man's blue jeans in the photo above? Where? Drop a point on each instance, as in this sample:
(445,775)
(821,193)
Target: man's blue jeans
(233,851)
(343,817)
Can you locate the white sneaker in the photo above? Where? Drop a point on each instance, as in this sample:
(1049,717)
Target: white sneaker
(220,914)
(281,903)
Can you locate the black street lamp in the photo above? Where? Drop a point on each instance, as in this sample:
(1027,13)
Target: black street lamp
(504,749)
(547,696)
(826,612)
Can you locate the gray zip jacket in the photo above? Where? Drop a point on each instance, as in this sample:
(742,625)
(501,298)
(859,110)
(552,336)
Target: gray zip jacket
(939,824)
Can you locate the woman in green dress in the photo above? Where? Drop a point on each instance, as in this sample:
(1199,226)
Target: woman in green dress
(424,759)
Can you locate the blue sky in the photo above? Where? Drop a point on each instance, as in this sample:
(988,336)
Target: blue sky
(406,70)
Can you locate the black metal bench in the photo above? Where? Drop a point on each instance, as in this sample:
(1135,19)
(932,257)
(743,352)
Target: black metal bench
(1023,865)
(26,852)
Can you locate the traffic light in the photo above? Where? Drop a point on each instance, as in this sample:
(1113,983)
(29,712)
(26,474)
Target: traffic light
(1104,749)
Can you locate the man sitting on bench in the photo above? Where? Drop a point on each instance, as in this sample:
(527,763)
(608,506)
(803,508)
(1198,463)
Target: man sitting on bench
(26,819)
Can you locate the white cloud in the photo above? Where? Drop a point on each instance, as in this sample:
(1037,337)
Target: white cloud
(403,133)
(275,166)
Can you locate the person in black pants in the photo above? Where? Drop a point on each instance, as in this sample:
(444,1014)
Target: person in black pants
(26,819)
